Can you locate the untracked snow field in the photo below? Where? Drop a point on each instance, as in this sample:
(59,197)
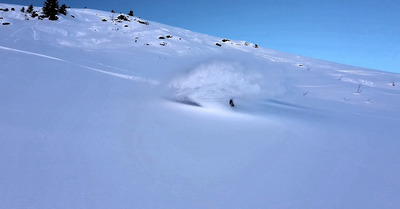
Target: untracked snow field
(96,113)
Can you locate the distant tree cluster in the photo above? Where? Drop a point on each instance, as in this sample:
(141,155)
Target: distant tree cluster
(29,11)
(50,10)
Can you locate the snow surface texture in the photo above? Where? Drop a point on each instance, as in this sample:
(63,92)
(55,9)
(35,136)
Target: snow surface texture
(96,113)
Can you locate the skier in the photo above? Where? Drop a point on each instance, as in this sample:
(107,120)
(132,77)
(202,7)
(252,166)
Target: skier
(231,103)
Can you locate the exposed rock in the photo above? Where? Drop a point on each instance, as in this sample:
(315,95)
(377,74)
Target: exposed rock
(143,22)
(225,40)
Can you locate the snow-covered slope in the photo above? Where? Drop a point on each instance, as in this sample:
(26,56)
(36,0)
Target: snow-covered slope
(96,113)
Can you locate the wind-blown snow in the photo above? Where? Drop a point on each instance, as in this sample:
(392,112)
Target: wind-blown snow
(216,82)
(102,114)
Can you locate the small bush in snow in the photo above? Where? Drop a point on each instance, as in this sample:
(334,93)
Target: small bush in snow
(34,14)
(12,9)
(30,9)
(63,9)
(130,13)
(23,9)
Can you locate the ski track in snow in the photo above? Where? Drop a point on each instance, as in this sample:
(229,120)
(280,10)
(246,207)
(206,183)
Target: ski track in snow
(31,53)
(118,75)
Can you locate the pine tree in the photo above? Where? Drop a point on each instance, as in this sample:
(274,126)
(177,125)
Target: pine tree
(30,9)
(23,9)
(50,9)
(130,13)
(63,9)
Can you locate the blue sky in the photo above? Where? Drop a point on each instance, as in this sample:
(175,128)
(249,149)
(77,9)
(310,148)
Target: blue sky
(363,33)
